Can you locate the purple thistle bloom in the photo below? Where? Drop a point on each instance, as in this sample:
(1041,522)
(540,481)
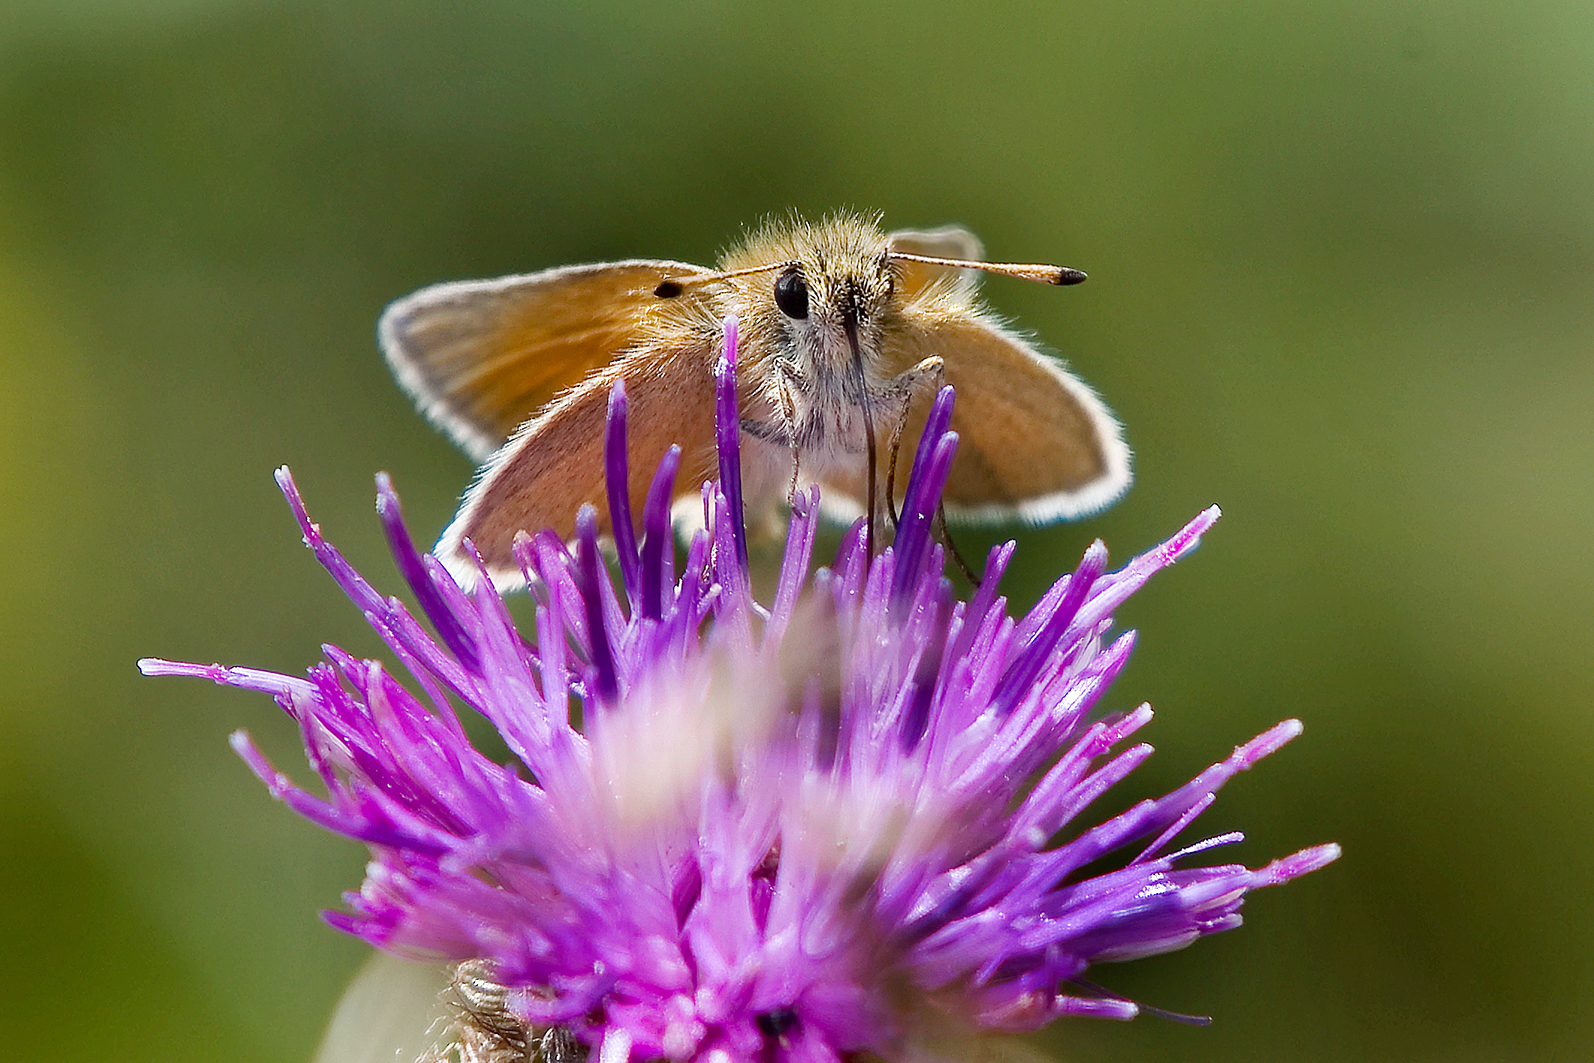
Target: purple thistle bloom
(798,833)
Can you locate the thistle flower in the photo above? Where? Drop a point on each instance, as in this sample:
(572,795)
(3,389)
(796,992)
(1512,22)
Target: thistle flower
(834,825)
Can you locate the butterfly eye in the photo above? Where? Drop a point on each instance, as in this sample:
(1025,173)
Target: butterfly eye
(791,293)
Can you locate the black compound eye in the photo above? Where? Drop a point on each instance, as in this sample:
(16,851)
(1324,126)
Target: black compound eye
(791,293)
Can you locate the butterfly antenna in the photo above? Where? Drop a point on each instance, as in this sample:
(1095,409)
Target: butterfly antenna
(1034,271)
(670,287)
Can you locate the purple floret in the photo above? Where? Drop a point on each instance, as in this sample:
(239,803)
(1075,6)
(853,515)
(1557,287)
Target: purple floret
(795,832)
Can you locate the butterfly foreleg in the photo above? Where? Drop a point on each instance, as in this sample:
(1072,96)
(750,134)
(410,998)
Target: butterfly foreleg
(900,391)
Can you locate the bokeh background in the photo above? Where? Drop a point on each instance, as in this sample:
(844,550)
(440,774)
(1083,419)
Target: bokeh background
(1342,283)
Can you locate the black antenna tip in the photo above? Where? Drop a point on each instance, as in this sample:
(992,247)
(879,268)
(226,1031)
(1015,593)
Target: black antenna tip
(670,289)
(1069,276)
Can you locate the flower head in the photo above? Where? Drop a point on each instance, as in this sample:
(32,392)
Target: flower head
(739,833)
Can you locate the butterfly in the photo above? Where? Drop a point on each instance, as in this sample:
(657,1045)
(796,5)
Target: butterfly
(846,332)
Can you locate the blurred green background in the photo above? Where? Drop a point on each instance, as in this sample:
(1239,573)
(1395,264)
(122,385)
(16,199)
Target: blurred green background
(1341,258)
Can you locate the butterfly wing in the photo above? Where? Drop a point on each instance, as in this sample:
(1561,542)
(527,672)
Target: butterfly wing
(554,463)
(1036,444)
(480,357)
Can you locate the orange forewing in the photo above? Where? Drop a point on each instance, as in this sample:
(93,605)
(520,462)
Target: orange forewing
(480,357)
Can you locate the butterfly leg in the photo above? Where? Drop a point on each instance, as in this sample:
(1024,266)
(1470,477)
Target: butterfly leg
(951,547)
(902,390)
(788,416)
